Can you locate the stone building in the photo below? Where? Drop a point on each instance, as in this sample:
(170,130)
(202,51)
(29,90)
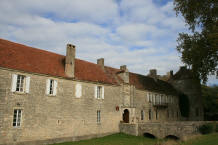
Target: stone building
(47,97)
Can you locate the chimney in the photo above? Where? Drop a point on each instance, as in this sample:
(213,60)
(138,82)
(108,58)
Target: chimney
(70,60)
(123,68)
(124,74)
(100,62)
(153,72)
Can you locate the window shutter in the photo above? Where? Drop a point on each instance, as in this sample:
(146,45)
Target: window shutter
(14,83)
(55,88)
(102,92)
(95,89)
(78,90)
(47,86)
(27,84)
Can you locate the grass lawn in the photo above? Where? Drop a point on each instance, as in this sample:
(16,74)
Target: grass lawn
(123,139)
(209,139)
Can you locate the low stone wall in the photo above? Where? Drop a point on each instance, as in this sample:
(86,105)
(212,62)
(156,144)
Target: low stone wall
(131,129)
(179,129)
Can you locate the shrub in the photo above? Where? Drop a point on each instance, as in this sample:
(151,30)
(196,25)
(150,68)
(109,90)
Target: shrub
(216,129)
(206,128)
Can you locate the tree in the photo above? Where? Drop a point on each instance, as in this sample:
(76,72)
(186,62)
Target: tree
(210,101)
(199,49)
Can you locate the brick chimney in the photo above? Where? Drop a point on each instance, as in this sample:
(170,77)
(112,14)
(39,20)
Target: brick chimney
(124,74)
(153,73)
(100,62)
(70,60)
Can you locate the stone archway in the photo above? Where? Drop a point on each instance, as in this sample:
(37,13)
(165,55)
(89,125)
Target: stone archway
(149,135)
(172,137)
(126,116)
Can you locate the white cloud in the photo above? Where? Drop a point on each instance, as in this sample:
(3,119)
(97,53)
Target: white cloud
(137,33)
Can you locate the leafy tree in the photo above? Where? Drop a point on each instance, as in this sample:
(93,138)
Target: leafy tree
(210,101)
(199,48)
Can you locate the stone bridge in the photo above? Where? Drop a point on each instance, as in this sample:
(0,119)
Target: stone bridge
(176,129)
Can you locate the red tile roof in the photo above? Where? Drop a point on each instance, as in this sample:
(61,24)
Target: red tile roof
(150,84)
(29,59)
(25,58)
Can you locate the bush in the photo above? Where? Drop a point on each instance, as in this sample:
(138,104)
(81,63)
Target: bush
(216,128)
(206,128)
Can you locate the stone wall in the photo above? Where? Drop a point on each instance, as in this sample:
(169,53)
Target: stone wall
(131,129)
(192,89)
(48,117)
(140,102)
(179,129)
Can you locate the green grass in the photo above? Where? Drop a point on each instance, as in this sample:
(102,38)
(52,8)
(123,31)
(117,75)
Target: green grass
(123,139)
(115,139)
(209,139)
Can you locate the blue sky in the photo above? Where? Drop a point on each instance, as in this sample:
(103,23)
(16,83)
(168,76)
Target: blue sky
(139,33)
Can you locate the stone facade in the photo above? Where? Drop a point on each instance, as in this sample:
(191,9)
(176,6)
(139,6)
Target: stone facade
(75,109)
(47,117)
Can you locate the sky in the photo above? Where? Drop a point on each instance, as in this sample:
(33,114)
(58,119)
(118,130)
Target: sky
(141,34)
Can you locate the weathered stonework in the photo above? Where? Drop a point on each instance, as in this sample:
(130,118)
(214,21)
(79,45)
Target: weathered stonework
(127,102)
(48,117)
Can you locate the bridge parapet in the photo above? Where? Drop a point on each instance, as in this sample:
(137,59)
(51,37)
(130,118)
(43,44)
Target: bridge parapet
(179,129)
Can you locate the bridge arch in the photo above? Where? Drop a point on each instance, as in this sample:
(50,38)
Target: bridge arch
(173,137)
(149,135)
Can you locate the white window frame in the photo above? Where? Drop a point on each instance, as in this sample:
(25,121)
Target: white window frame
(78,92)
(98,116)
(17,118)
(20,83)
(99,92)
(51,87)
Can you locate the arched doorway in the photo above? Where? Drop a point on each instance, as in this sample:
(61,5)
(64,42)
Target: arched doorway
(126,116)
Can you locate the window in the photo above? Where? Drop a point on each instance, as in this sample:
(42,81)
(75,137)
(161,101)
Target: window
(142,115)
(149,114)
(197,112)
(168,114)
(150,97)
(78,90)
(99,92)
(20,83)
(156,114)
(17,117)
(51,87)
(98,116)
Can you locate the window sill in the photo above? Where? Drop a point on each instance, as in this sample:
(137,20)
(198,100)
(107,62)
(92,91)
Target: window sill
(51,95)
(19,93)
